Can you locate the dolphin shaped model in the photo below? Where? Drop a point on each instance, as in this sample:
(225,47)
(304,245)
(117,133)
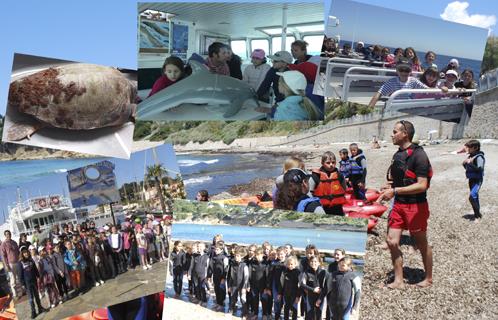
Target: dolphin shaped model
(202,87)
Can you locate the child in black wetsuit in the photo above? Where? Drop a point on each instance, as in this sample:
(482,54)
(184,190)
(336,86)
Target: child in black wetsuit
(29,276)
(342,289)
(178,261)
(199,273)
(312,281)
(238,281)
(218,267)
(258,279)
(290,289)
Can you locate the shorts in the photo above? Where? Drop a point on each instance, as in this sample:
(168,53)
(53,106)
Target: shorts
(409,216)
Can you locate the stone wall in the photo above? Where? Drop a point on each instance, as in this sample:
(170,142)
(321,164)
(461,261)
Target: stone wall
(484,121)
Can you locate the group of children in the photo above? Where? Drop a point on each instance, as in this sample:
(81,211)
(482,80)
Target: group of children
(291,85)
(81,256)
(322,191)
(273,278)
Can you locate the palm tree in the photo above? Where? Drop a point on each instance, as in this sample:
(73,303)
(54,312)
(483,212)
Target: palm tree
(156,172)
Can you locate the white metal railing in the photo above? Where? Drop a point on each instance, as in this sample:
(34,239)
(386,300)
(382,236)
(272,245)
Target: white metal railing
(489,80)
(380,75)
(394,102)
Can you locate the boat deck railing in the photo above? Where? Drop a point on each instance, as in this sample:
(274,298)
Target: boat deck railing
(489,80)
(394,103)
(371,74)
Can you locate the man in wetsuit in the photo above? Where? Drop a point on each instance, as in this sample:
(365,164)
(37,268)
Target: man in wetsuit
(411,173)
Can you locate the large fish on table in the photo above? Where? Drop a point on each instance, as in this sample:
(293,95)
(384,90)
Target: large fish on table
(76,96)
(202,87)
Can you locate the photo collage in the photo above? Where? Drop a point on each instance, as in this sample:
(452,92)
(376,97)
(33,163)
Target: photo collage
(278,159)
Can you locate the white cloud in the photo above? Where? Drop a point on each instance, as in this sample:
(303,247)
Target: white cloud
(456,11)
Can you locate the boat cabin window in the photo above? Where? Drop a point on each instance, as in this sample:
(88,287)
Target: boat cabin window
(276,43)
(314,44)
(51,219)
(260,44)
(239,47)
(26,223)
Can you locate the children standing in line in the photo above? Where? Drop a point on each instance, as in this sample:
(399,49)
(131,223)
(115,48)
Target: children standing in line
(238,282)
(474,171)
(343,290)
(177,267)
(312,281)
(358,171)
(218,268)
(329,185)
(290,290)
(29,275)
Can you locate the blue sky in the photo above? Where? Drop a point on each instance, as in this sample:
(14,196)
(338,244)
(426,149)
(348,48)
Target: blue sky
(126,171)
(394,28)
(104,32)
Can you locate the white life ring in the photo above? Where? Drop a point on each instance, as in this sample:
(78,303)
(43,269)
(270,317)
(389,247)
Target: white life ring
(42,203)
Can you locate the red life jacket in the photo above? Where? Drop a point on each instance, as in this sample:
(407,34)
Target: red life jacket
(329,190)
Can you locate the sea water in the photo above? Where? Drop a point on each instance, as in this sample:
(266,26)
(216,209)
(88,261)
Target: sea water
(218,172)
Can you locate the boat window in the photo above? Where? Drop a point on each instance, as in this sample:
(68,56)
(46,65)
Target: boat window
(276,44)
(314,44)
(260,44)
(239,48)
(34,222)
(26,223)
(51,218)
(42,222)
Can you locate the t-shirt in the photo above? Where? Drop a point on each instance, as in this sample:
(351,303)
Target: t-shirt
(418,163)
(254,76)
(115,241)
(394,84)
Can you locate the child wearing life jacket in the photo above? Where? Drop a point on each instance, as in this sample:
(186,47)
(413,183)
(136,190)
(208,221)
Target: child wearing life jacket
(345,164)
(358,171)
(329,185)
(172,71)
(474,171)
(342,290)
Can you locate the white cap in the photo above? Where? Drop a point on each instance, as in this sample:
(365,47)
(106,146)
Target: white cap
(361,42)
(106,227)
(295,80)
(453,72)
(281,56)
(40,248)
(31,247)
(454,62)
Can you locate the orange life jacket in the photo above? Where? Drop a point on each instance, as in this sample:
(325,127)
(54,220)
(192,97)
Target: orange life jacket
(329,190)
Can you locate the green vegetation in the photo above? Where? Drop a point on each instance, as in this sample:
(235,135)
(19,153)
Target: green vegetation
(337,109)
(178,132)
(490,58)
(185,209)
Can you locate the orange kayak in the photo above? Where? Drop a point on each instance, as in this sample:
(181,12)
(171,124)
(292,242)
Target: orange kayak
(358,206)
(370,194)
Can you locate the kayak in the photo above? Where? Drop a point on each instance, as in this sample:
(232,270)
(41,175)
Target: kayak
(245,201)
(359,206)
(10,312)
(370,194)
